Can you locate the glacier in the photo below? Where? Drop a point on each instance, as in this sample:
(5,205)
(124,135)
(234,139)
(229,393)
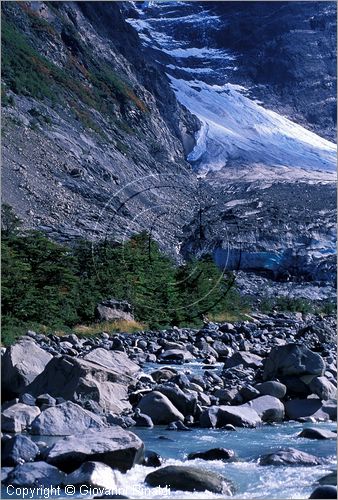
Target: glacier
(238,135)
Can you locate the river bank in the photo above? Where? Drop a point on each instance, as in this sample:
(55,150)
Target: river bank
(115,410)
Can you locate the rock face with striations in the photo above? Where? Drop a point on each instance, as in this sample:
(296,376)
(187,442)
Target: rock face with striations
(115,447)
(64,419)
(293,359)
(21,363)
(111,309)
(127,141)
(103,377)
(188,478)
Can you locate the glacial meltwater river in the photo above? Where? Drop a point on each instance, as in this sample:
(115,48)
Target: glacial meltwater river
(250,479)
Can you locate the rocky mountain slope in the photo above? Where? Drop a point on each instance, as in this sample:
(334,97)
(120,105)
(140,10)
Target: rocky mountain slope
(274,210)
(94,141)
(212,131)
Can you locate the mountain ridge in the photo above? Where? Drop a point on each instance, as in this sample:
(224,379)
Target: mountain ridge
(96,144)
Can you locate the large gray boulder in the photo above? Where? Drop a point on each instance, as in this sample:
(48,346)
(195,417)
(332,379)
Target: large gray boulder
(176,355)
(18,450)
(94,474)
(114,446)
(300,408)
(209,417)
(17,417)
(289,456)
(186,478)
(244,358)
(292,359)
(183,401)
(239,416)
(313,433)
(116,361)
(159,408)
(36,473)
(21,363)
(323,388)
(272,388)
(269,408)
(81,380)
(112,309)
(65,419)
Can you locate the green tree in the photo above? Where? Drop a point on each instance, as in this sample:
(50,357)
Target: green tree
(42,275)
(10,223)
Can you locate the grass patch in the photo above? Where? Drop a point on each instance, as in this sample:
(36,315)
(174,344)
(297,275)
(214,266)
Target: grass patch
(109,326)
(288,304)
(26,72)
(230,316)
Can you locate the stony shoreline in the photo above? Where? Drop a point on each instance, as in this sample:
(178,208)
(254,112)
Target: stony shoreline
(91,392)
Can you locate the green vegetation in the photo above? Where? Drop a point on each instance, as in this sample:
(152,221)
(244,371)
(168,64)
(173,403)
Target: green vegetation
(292,304)
(49,287)
(94,85)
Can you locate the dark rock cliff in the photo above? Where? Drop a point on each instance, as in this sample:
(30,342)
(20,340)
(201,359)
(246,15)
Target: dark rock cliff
(94,141)
(283,49)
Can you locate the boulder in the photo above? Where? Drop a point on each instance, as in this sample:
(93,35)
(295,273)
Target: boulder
(269,408)
(18,450)
(222,350)
(17,417)
(187,478)
(300,408)
(64,420)
(111,309)
(213,454)
(116,447)
(44,401)
(226,395)
(313,433)
(27,399)
(36,473)
(289,456)
(94,474)
(246,393)
(5,471)
(113,360)
(178,426)
(152,459)
(163,374)
(175,355)
(142,420)
(209,417)
(244,358)
(123,422)
(292,359)
(330,479)
(183,401)
(323,388)
(272,388)
(21,364)
(324,492)
(81,380)
(329,408)
(159,408)
(239,416)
